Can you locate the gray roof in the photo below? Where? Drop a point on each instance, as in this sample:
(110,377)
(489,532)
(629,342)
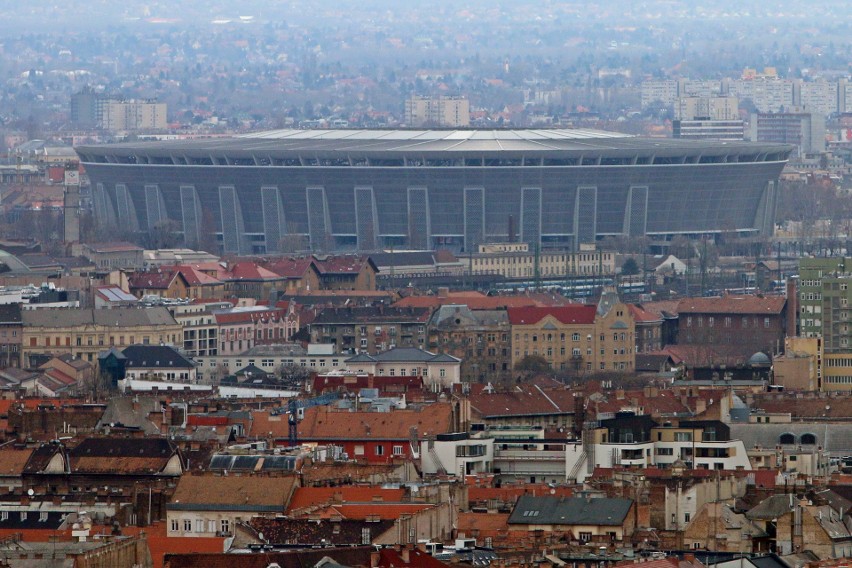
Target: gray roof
(115,317)
(530,510)
(424,142)
(404,355)
(835,437)
(772,507)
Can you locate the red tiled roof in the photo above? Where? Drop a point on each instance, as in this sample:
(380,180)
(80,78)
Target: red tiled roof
(250,271)
(642,316)
(291,268)
(12,461)
(390,558)
(579,314)
(159,280)
(195,277)
(733,305)
(311,496)
(58,375)
(323,423)
(525,400)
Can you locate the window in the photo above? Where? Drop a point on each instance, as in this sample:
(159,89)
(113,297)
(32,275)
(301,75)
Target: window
(683,436)
(787,438)
(225,526)
(808,439)
(585,536)
(359,450)
(365,535)
(380,450)
(686,517)
(442,373)
(175,526)
(397,450)
(187,525)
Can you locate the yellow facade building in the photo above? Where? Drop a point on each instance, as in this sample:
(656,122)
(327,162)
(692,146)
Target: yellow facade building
(578,338)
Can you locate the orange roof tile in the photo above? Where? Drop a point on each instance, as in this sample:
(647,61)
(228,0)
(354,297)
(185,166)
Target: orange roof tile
(323,423)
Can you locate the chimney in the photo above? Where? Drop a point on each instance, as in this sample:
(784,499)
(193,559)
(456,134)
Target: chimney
(688,557)
(405,554)
(375,558)
(443,292)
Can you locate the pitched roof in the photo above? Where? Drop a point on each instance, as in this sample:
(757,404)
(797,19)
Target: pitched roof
(250,271)
(12,461)
(324,423)
(121,455)
(310,496)
(739,305)
(405,355)
(115,317)
(232,493)
(570,511)
(291,268)
(772,507)
(343,264)
(155,357)
(567,315)
(525,400)
(196,277)
(160,280)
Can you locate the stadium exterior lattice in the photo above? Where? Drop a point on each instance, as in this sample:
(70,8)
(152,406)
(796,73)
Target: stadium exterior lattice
(423,189)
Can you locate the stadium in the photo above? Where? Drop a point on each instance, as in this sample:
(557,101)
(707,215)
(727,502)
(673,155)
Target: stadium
(424,189)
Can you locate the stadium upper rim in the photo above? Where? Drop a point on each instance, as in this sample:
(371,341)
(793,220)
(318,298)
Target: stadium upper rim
(520,142)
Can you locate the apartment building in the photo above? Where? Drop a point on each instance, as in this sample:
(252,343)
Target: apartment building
(83,333)
(516,260)
(578,338)
(449,111)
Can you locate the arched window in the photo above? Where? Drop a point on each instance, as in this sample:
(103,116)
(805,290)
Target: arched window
(808,439)
(787,438)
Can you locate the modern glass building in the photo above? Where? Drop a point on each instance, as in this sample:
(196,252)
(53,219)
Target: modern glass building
(370,189)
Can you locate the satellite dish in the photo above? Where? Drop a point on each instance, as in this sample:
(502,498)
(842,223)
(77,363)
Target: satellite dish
(30,492)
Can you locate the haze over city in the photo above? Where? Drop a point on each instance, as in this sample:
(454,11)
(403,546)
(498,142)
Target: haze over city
(319,284)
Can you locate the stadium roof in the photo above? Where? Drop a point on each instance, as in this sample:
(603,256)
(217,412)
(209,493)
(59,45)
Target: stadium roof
(411,142)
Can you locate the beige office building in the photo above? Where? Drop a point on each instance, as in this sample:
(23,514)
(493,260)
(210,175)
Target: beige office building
(437,111)
(132,115)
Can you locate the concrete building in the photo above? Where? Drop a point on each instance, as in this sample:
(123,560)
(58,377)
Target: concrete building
(707,108)
(457,454)
(706,129)
(638,441)
(449,112)
(804,130)
(134,115)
